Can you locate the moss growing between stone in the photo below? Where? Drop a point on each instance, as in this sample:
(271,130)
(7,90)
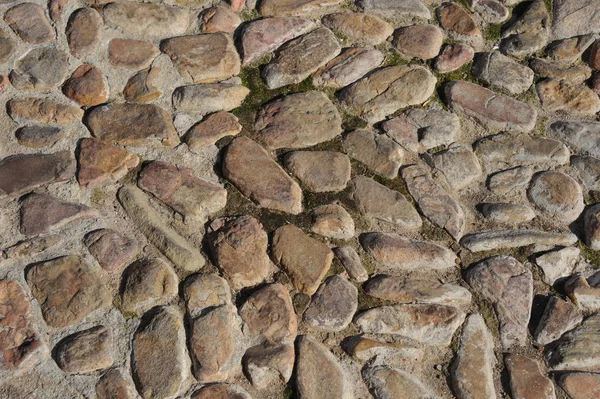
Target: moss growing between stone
(593,257)
(493,33)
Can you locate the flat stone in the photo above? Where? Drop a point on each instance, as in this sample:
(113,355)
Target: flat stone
(429,324)
(262,36)
(573,18)
(221,391)
(111,249)
(300,57)
(333,305)
(237,5)
(556,194)
(364,348)
(527,381)
(586,297)
(491,11)
(250,168)
(594,56)
(419,41)
(559,317)
(146,21)
(528,33)
(394,9)
(31,246)
(399,290)
(569,50)
(433,200)
(218,19)
(583,136)
(453,56)
(387,90)
(150,223)
(35,218)
(131,54)
(268,364)
(84,31)
(305,259)
(557,264)
(492,110)
(490,240)
(507,213)
(508,285)
(142,87)
(332,221)
(112,385)
(159,340)
(384,382)
(359,27)
(269,313)
(132,124)
(458,164)
(508,180)
(67,290)
(498,70)
(580,385)
(298,120)
(351,263)
(573,74)
(86,86)
(560,95)
(7,46)
(378,202)
(577,350)
(37,110)
(86,351)
(319,171)
(351,65)
(456,19)
(472,370)
(400,253)
(29,22)
(42,68)
(23,172)
(378,152)
(208,98)
(319,374)
(101,164)
(287,7)
(212,129)
(203,58)
(204,291)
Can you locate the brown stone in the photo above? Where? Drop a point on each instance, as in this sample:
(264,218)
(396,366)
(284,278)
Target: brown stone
(86,86)
(32,246)
(218,19)
(333,305)
(55,8)
(44,111)
(209,97)
(332,221)
(419,41)
(111,249)
(319,171)
(212,129)
(37,136)
(456,19)
(580,385)
(204,291)
(86,351)
(84,31)
(221,391)
(527,380)
(112,385)
(35,218)
(569,49)
(560,95)
(385,382)
(131,54)
(29,22)
(359,27)
(267,364)
(376,151)
(453,56)
(140,88)
(146,21)
(101,164)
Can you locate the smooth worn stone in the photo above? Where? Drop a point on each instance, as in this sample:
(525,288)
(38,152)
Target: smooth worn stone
(351,263)
(180,190)
(527,381)
(333,305)
(507,213)
(86,86)
(84,31)
(472,370)
(508,285)
(86,351)
(429,324)
(101,164)
(578,349)
(141,87)
(208,98)
(506,181)
(360,28)
(29,22)
(557,195)
(298,120)
(212,129)
(22,173)
(269,312)
(131,54)
(569,50)
(453,56)
(221,391)
(458,164)
(384,382)
(586,297)
(364,348)
(394,9)
(492,110)
(203,58)
(146,21)
(588,169)
(269,8)
(529,32)
(456,19)
(351,65)
(112,385)
(574,18)
(557,264)
(433,200)
(490,240)
(177,249)
(332,221)
(419,130)
(591,222)
(491,11)
(580,385)
(250,168)
(376,151)
(299,58)
(399,290)
(594,55)
(42,68)
(560,95)
(7,46)
(218,19)
(559,317)
(159,341)
(268,364)
(383,92)
(319,374)
(505,150)
(498,70)
(43,111)
(67,290)
(396,252)
(574,74)
(305,259)
(419,41)
(204,291)
(20,345)
(31,246)
(111,249)
(239,247)
(132,124)
(319,171)
(35,218)
(583,135)
(376,201)
(262,36)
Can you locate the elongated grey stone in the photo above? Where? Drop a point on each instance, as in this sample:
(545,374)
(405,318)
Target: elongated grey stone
(490,240)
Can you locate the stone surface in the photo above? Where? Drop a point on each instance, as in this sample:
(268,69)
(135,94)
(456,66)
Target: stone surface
(557,264)
(577,350)
(556,194)
(419,41)
(378,152)
(351,263)
(333,305)
(146,21)
(7,46)
(86,351)
(384,382)
(29,22)
(360,28)
(586,297)
(131,54)
(507,213)
(573,18)
(221,391)
(84,31)
(111,249)
(527,381)
(588,169)
(508,180)
(86,86)
(458,164)
(365,348)
(112,385)
(212,129)
(559,317)
(396,289)
(496,69)
(42,69)
(490,240)
(31,246)
(218,19)
(351,65)
(268,364)
(205,291)
(101,164)
(290,7)
(319,171)
(394,9)
(559,95)
(141,87)
(591,221)
(43,111)
(456,19)
(582,135)
(580,385)
(528,33)
(332,221)
(208,98)
(570,49)
(35,218)
(491,11)
(557,70)
(453,56)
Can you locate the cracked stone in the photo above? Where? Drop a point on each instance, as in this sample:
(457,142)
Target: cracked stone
(573,18)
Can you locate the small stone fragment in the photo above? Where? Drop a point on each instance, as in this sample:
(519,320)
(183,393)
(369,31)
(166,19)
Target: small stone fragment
(453,56)
(559,317)
(384,382)
(141,87)
(101,164)
(42,68)
(131,54)
(333,305)
(212,129)
(358,27)
(580,385)
(85,351)
(419,41)
(351,65)
(267,364)
(332,221)
(43,111)
(507,213)
(558,264)
(496,69)
(112,250)
(218,19)
(207,98)
(112,385)
(352,263)
(35,218)
(378,152)
(319,171)
(456,19)
(458,164)
(556,194)
(506,181)
(146,21)
(29,22)
(396,289)
(84,31)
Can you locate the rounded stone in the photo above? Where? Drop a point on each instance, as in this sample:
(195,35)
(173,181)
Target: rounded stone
(419,41)
(556,194)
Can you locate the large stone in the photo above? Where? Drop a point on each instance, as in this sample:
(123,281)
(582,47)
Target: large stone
(131,54)
(319,171)
(583,136)
(250,168)
(293,7)
(578,349)
(146,21)
(560,95)
(84,31)
(378,152)
(458,164)
(498,70)
(35,218)
(212,129)
(393,9)
(42,68)
(384,382)
(490,240)
(101,164)
(573,18)
(348,67)
(298,120)
(527,381)
(556,194)
(67,290)
(218,19)
(333,305)
(419,41)
(208,98)
(528,33)
(29,22)
(112,385)
(43,111)
(559,317)
(397,289)
(268,364)
(86,351)
(86,86)
(580,385)
(359,28)
(111,249)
